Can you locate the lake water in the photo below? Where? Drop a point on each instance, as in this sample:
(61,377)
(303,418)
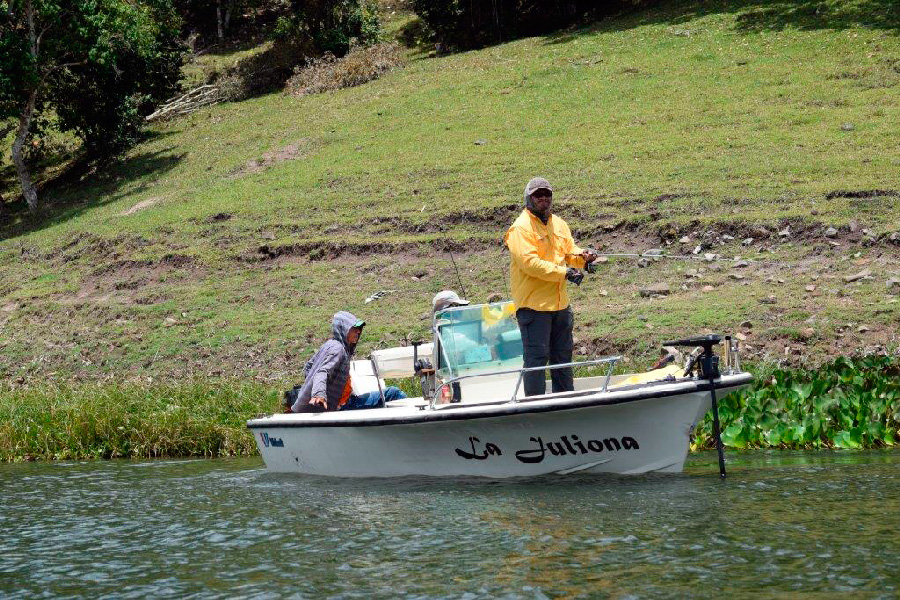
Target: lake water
(782,523)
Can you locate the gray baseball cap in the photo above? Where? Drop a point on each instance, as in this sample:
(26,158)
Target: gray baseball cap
(536,183)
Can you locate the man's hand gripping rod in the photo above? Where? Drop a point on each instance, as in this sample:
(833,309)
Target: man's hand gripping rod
(576,276)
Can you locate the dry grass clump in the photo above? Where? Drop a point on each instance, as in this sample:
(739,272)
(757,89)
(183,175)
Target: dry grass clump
(357,67)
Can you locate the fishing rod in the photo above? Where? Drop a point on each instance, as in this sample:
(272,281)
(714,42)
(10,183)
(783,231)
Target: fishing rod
(653,255)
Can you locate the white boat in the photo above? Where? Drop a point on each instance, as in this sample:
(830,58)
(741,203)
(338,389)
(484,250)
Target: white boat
(473,419)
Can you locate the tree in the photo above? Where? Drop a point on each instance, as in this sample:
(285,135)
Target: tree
(198,15)
(465,24)
(98,64)
(332,23)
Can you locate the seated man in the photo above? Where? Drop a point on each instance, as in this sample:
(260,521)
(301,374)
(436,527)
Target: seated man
(372,399)
(327,383)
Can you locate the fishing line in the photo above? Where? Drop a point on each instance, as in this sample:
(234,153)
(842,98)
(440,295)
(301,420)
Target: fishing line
(458,278)
(649,255)
(689,257)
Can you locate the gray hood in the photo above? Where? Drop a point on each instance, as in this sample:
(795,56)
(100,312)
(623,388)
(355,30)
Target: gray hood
(341,324)
(536,183)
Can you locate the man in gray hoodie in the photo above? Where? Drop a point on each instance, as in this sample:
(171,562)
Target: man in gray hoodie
(328,371)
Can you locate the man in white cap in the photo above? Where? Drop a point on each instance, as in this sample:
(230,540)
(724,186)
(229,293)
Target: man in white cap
(457,342)
(446,299)
(543,257)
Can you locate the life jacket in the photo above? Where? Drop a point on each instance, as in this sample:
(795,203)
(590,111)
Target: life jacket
(345,395)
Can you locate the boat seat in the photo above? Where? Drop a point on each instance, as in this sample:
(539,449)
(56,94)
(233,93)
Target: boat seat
(418,402)
(362,378)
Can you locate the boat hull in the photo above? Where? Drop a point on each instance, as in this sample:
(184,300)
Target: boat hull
(603,433)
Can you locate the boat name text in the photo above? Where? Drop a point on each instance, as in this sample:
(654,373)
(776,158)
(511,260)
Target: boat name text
(567,444)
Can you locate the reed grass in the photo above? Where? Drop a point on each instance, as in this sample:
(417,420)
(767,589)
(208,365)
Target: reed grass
(199,418)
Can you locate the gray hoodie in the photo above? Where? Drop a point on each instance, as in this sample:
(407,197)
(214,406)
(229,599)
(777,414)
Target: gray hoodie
(327,371)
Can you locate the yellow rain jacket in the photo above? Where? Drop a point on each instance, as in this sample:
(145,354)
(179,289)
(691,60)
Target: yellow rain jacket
(537,272)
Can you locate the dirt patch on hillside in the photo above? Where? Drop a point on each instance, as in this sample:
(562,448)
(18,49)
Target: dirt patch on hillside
(293,151)
(316,251)
(862,194)
(140,206)
(96,249)
(496,217)
(131,281)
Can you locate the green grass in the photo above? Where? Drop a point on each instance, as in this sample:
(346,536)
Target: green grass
(688,118)
(199,69)
(191,418)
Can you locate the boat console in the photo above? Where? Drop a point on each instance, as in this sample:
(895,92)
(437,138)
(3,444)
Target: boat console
(477,357)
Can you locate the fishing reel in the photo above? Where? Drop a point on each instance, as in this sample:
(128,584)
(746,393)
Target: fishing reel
(424,371)
(575,275)
(591,267)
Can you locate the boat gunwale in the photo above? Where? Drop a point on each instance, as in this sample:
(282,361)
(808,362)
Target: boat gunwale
(586,399)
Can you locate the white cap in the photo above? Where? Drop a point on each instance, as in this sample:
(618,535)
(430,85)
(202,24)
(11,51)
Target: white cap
(446,299)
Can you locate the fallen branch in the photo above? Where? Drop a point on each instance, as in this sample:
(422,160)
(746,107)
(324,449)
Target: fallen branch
(195,99)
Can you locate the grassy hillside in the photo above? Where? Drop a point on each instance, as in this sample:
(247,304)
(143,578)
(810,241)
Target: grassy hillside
(223,244)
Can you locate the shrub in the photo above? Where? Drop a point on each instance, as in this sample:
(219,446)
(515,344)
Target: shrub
(333,25)
(266,71)
(357,67)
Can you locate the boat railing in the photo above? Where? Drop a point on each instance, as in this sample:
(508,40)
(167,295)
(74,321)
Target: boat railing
(610,361)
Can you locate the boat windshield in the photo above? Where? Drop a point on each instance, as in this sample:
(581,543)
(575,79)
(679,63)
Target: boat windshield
(483,337)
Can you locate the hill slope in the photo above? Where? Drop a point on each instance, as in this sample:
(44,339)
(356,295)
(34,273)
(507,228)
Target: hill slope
(223,244)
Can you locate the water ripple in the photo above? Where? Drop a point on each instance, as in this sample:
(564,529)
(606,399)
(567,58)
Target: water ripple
(781,523)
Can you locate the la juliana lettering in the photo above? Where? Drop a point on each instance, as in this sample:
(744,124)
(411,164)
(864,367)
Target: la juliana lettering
(571,445)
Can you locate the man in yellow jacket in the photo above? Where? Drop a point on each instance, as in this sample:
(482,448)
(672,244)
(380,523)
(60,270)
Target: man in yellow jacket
(544,257)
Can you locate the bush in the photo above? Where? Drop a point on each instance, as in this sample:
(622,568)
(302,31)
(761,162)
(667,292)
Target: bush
(333,25)
(459,24)
(266,71)
(357,67)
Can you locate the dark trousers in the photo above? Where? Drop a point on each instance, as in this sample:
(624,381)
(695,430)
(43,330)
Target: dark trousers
(547,337)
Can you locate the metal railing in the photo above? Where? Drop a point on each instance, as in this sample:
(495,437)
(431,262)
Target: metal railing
(611,361)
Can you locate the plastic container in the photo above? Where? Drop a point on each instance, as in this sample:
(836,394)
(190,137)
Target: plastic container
(398,362)
(362,378)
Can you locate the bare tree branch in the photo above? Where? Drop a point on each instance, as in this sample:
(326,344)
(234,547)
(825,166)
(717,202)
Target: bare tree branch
(40,36)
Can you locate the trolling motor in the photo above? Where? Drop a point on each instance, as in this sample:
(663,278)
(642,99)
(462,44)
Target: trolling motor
(706,364)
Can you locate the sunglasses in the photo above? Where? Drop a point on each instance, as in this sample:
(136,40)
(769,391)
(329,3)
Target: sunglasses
(542,194)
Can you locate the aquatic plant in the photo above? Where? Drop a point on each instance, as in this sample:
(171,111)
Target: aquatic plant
(198,418)
(849,403)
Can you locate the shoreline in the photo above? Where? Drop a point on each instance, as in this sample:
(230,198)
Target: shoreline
(849,403)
